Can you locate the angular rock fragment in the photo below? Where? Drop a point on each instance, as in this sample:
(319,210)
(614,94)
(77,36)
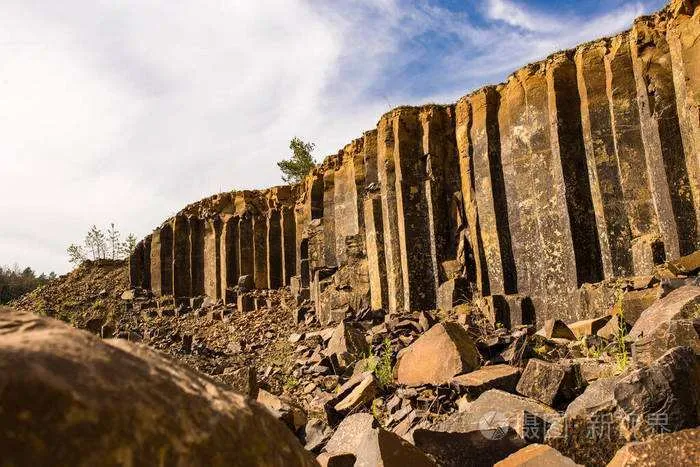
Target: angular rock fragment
(503,377)
(551,383)
(336,460)
(362,394)
(244,380)
(556,329)
(682,303)
(347,344)
(497,409)
(537,455)
(437,356)
(668,335)
(588,327)
(294,417)
(453,292)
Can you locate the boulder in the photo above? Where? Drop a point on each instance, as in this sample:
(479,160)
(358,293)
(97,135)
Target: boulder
(71,398)
(634,302)
(316,434)
(246,283)
(496,409)
(663,397)
(503,377)
(679,449)
(682,303)
(551,383)
(437,356)
(668,335)
(373,446)
(362,394)
(347,344)
(536,455)
(476,447)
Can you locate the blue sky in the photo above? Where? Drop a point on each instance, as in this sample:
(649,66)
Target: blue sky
(126,111)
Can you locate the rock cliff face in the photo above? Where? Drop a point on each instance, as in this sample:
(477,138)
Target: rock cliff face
(580,168)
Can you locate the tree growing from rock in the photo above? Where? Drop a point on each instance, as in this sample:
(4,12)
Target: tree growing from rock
(300,164)
(98,245)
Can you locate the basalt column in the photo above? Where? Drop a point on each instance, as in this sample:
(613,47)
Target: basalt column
(537,213)
(245,245)
(274,249)
(146,266)
(289,235)
(631,159)
(212,258)
(196,229)
(569,156)
(136,266)
(329,246)
(162,260)
(684,49)
(662,139)
(182,285)
(412,208)
(606,186)
(229,257)
(376,261)
(260,251)
(478,142)
(387,181)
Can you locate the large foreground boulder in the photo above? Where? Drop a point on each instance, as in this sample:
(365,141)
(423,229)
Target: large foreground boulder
(682,303)
(439,355)
(69,398)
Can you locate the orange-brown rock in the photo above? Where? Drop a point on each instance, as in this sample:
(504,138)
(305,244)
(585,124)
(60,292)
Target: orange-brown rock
(439,355)
(70,398)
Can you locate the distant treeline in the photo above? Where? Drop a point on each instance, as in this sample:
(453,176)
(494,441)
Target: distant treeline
(15,282)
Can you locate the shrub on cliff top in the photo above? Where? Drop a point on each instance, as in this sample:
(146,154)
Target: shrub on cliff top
(300,164)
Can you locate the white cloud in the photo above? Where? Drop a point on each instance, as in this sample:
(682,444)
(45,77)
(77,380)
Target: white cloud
(126,111)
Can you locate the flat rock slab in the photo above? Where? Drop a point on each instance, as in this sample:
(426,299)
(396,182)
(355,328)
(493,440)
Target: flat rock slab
(537,455)
(71,398)
(503,377)
(437,356)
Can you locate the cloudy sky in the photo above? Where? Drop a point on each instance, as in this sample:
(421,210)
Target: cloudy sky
(126,110)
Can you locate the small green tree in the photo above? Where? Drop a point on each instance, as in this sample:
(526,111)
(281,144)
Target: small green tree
(300,164)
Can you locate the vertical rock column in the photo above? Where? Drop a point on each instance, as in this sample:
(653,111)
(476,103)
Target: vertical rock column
(568,149)
(412,210)
(274,242)
(629,149)
(260,251)
(136,266)
(245,245)
(146,263)
(345,200)
(329,245)
(212,258)
(606,186)
(663,143)
(289,249)
(537,209)
(162,260)
(442,187)
(376,262)
(683,38)
(387,180)
(196,229)
(229,257)
(478,141)
(182,279)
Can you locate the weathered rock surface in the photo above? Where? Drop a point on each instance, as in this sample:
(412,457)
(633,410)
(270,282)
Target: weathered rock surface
(503,377)
(60,385)
(682,303)
(551,383)
(439,355)
(681,448)
(536,455)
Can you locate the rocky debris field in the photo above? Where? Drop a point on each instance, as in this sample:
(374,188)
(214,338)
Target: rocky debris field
(430,387)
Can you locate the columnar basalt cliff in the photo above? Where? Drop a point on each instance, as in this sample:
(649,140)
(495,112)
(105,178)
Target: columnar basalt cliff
(578,169)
